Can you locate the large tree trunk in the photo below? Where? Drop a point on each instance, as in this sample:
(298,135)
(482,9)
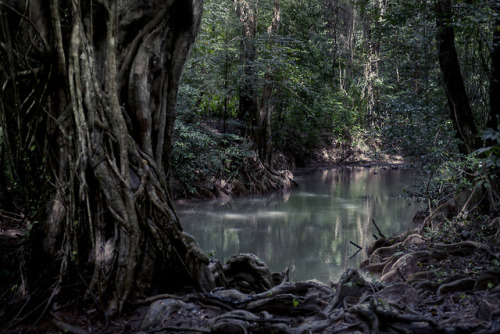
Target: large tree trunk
(458,102)
(96,104)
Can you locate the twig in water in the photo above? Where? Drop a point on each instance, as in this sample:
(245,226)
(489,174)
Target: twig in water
(360,248)
(379,233)
(353,255)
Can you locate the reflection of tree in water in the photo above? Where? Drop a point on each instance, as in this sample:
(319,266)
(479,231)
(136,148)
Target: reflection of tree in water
(309,228)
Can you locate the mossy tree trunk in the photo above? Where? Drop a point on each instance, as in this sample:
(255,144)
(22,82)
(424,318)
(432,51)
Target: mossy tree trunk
(89,91)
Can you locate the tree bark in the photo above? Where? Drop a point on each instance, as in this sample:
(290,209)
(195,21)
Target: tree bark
(103,126)
(266,106)
(257,109)
(257,112)
(370,92)
(248,108)
(494,114)
(458,102)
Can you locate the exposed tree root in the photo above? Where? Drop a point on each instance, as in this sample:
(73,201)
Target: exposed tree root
(262,178)
(415,298)
(256,178)
(309,307)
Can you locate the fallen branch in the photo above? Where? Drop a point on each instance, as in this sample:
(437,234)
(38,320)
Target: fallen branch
(12,216)
(379,233)
(352,243)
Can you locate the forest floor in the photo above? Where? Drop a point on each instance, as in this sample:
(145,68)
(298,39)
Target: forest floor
(441,276)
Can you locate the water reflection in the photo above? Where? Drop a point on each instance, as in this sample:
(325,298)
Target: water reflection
(308,229)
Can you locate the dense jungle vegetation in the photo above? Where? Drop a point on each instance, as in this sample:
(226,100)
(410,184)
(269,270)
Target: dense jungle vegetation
(109,110)
(341,80)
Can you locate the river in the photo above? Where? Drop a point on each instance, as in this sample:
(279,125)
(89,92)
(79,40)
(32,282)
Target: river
(308,229)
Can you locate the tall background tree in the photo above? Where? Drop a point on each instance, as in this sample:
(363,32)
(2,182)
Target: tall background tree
(494,115)
(458,101)
(355,76)
(88,103)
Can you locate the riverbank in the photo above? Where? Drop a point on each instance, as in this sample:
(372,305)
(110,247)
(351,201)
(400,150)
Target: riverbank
(442,276)
(309,228)
(363,151)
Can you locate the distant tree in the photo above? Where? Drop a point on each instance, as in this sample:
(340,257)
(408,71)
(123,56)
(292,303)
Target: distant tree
(248,108)
(494,115)
(256,98)
(458,101)
(268,94)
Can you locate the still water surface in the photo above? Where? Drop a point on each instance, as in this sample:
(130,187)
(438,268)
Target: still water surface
(308,229)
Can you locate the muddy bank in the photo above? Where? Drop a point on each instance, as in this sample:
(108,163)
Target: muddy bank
(259,179)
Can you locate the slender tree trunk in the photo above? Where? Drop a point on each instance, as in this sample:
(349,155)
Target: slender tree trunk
(349,73)
(458,102)
(100,91)
(267,104)
(248,108)
(494,114)
(262,177)
(373,41)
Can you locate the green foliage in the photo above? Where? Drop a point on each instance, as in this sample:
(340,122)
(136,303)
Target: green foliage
(200,154)
(490,154)
(443,175)
(343,71)
(446,173)
(419,130)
